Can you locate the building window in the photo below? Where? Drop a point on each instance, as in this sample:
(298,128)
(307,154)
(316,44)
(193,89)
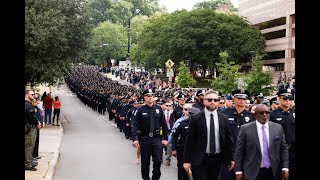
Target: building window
(274,55)
(293,19)
(293,53)
(293,32)
(275,34)
(272,23)
(277,67)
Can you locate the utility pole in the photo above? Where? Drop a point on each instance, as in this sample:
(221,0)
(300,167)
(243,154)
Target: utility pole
(129,28)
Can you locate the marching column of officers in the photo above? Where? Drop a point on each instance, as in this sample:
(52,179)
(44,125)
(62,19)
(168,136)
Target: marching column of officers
(211,137)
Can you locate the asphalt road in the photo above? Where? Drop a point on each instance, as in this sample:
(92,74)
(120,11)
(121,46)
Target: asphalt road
(92,147)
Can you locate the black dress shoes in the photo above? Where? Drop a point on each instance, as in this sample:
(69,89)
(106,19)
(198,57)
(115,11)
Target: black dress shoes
(32,168)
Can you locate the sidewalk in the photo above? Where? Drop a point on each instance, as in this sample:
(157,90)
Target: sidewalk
(49,144)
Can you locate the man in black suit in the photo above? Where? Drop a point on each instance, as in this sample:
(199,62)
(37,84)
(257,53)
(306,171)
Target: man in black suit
(208,143)
(261,150)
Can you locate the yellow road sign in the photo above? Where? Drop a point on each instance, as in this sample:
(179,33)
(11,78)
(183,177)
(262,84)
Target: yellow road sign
(169,63)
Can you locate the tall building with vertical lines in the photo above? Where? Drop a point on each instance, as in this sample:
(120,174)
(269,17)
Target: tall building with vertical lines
(276,21)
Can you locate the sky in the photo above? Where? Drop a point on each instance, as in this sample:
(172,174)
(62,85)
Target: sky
(173,5)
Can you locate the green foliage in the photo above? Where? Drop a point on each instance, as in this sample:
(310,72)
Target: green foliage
(213,4)
(120,11)
(184,78)
(259,81)
(109,41)
(56,36)
(198,36)
(229,74)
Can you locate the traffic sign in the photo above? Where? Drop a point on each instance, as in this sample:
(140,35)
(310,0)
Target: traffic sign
(169,63)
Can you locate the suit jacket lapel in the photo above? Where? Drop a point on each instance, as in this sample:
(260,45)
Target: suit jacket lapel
(203,121)
(255,135)
(271,134)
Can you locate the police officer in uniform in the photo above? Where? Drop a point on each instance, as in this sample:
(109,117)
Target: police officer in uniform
(150,132)
(178,136)
(200,96)
(237,116)
(285,116)
(31,125)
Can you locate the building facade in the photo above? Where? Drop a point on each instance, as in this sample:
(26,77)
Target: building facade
(276,21)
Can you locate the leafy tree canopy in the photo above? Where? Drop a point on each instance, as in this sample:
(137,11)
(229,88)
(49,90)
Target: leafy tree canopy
(213,4)
(198,36)
(120,11)
(56,35)
(229,74)
(108,42)
(259,80)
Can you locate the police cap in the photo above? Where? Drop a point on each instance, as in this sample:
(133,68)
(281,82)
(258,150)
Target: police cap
(258,95)
(241,93)
(274,100)
(284,92)
(147,92)
(160,101)
(228,97)
(191,100)
(181,96)
(200,92)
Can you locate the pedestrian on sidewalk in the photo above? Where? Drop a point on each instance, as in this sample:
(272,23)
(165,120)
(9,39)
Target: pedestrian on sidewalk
(56,110)
(48,103)
(39,112)
(31,123)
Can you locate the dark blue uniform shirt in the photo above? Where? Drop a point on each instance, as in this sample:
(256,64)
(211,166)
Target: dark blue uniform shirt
(141,122)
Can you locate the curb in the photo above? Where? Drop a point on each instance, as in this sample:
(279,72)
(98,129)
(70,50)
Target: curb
(55,158)
(52,166)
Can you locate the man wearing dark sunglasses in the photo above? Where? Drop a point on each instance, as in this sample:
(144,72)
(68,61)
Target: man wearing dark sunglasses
(261,150)
(237,116)
(208,143)
(285,116)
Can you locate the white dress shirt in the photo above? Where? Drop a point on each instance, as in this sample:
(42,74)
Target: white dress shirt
(216,130)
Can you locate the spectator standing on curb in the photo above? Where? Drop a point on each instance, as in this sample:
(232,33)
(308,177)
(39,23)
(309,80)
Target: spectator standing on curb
(56,110)
(35,103)
(31,122)
(48,102)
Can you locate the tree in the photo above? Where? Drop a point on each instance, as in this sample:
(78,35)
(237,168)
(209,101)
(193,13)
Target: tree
(184,78)
(56,36)
(108,42)
(213,4)
(121,10)
(258,80)
(198,36)
(229,75)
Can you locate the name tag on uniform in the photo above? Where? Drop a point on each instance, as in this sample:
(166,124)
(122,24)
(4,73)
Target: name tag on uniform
(144,113)
(186,127)
(279,119)
(231,119)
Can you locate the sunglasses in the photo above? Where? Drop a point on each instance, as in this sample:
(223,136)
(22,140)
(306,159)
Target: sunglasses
(242,98)
(169,105)
(31,94)
(264,112)
(185,109)
(221,102)
(210,100)
(286,98)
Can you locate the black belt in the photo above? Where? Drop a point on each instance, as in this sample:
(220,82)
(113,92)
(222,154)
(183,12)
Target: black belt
(150,134)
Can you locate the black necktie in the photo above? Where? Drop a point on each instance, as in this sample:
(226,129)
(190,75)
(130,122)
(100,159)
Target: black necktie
(151,120)
(212,136)
(289,128)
